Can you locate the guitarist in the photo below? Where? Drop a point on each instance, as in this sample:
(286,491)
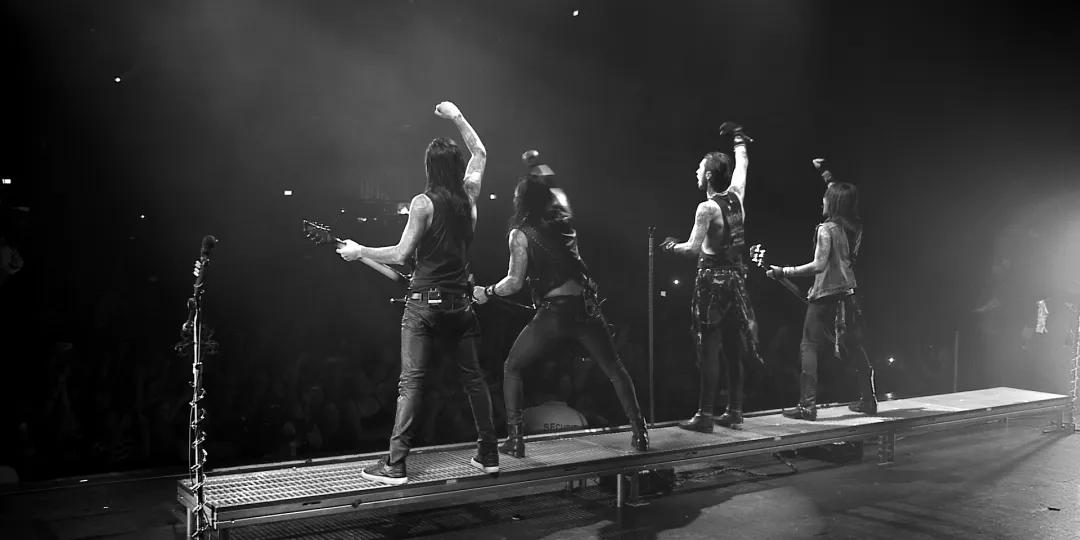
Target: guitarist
(833,316)
(438,310)
(544,250)
(720,294)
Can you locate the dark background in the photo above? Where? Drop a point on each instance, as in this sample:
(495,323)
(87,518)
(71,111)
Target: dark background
(958,121)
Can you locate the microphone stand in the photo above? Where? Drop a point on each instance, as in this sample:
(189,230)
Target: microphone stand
(652,300)
(192,335)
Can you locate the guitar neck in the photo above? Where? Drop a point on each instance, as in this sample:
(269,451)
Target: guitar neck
(379,267)
(791,287)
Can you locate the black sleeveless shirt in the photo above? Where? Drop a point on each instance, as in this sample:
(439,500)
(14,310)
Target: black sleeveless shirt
(731,241)
(441,260)
(553,256)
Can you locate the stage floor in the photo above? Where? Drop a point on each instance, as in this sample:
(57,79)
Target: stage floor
(959,483)
(999,481)
(246,496)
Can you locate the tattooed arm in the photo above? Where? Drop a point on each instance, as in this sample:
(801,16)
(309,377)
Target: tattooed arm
(706,212)
(420,212)
(515,274)
(474,172)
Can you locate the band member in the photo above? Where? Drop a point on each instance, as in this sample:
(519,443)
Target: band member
(720,295)
(438,312)
(833,316)
(544,250)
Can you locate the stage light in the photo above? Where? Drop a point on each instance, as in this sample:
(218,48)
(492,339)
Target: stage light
(663,294)
(674,282)
(6,181)
(891,361)
(889,395)
(361,219)
(142,216)
(576,12)
(117,80)
(288,193)
(342,210)
(492,196)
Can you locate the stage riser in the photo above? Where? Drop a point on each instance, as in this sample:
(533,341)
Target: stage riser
(256,495)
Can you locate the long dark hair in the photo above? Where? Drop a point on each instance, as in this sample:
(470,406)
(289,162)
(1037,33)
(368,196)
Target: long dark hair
(444,164)
(842,208)
(535,204)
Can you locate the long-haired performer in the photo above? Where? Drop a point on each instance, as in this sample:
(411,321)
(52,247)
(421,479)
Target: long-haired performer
(833,316)
(543,247)
(439,307)
(720,296)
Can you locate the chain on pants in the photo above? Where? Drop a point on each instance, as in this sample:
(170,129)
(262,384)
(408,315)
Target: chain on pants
(720,298)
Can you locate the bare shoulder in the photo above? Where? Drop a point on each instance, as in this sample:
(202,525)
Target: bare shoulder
(708,209)
(518,239)
(421,203)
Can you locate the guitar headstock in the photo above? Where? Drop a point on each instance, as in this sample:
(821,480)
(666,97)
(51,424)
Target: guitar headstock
(317,232)
(757,254)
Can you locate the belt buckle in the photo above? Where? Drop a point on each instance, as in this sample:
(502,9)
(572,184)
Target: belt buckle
(434,297)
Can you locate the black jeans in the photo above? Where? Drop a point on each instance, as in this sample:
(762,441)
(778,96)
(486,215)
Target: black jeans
(721,299)
(559,319)
(834,322)
(429,331)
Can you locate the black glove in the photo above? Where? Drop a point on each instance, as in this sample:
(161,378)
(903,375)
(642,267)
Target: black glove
(822,165)
(736,130)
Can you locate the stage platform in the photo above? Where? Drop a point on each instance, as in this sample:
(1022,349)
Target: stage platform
(242,496)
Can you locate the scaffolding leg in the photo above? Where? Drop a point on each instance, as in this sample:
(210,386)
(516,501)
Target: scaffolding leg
(886,448)
(189,523)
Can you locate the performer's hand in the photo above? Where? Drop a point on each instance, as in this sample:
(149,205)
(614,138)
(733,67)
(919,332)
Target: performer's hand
(349,250)
(668,245)
(774,272)
(479,295)
(198,268)
(447,110)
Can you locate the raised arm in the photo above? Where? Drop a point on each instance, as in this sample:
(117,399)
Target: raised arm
(742,163)
(705,213)
(420,212)
(474,171)
(515,274)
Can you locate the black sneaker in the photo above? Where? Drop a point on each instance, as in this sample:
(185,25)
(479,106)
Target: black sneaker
(486,461)
(385,474)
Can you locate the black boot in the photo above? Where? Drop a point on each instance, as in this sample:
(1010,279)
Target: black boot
(807,408)
(701,422)
(867,403)
(803,412)
(514,445)
(731,418)
(640,439)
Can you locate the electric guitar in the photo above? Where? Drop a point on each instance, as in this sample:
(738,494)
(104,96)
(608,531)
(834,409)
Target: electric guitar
(757,254)
(322,235)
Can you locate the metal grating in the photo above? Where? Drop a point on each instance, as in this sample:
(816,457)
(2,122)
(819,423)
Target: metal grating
(295,489)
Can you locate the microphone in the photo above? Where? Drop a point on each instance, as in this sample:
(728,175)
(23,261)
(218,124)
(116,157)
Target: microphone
(731,128)
(208,243)
(531,159)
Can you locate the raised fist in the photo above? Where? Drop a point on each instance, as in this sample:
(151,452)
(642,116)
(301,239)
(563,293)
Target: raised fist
(447,110)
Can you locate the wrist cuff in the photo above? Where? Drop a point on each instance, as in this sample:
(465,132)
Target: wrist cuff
(490,290)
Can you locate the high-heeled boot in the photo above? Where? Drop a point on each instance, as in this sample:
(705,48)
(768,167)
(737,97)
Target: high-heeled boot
(640,439)
(514,445)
